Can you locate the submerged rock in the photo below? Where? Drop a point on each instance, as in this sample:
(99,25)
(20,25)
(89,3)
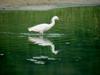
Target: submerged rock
(39,62)
(1,54)
(33,60)
(41,59)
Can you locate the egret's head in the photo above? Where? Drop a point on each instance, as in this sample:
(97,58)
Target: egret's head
(56,17)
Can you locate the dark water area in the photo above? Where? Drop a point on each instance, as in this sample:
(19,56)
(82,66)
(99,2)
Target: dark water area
(74,57)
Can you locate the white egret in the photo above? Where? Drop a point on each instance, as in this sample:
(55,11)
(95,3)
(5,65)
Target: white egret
(41,28)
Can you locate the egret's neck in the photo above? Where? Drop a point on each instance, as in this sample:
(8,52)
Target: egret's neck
(52,22)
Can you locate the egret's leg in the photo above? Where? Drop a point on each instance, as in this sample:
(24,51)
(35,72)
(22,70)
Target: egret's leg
(41,33)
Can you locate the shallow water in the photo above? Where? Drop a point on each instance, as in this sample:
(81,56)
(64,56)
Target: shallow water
(71,47)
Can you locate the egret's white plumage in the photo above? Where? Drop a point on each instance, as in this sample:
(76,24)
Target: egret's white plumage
(41,28)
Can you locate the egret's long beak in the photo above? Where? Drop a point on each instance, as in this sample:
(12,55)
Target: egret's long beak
(57,18)
(29,29)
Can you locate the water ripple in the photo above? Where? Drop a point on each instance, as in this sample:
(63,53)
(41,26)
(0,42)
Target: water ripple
(33,34)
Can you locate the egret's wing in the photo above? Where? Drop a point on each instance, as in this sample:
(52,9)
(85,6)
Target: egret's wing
(39,27)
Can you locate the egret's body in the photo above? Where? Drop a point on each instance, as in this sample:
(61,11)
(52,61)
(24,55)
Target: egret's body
(41,28)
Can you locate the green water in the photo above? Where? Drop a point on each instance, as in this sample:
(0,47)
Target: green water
(76,37)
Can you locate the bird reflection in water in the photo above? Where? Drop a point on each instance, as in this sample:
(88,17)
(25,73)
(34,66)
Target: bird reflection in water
(43,42)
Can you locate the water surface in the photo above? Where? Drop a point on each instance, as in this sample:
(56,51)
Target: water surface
(71,47)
